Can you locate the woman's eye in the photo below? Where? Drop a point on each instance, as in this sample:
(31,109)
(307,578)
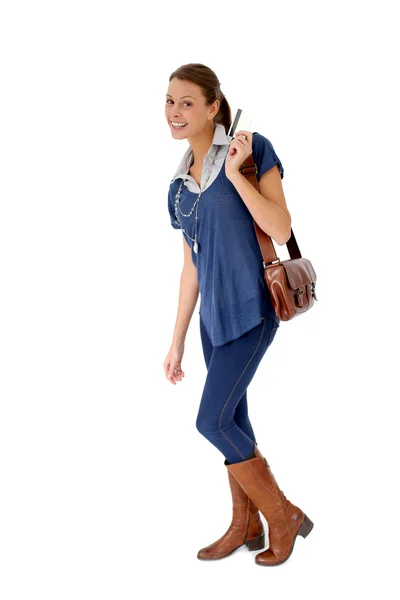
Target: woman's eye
(188,103)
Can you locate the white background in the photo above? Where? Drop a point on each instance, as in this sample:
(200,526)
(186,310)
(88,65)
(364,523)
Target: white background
(107,488)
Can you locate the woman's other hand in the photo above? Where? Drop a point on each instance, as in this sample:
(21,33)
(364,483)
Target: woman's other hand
(172,364)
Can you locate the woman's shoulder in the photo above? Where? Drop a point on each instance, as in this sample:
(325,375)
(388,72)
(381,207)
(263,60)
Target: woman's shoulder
(260,140)
(264,154)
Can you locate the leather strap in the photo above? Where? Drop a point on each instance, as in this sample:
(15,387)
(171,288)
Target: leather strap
(249,170)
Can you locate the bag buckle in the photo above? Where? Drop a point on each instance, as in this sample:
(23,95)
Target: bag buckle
(276,261)
(249,170)
(313,291)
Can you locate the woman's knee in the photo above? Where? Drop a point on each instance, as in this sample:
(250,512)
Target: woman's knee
(209,426)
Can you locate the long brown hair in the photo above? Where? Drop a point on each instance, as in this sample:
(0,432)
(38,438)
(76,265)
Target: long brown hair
(208,81)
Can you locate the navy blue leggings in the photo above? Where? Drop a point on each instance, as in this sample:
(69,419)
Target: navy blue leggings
(223,416)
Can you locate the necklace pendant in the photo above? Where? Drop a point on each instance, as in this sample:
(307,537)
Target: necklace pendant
(196,247)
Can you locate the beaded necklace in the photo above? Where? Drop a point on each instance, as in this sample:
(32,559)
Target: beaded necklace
(195,205)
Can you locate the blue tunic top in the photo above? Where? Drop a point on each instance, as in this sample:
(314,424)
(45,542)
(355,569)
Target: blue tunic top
(234,294)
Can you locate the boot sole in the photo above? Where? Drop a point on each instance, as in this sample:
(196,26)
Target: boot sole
(304,529)
(256,544)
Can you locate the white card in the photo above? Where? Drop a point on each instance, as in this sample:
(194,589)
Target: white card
(241,121)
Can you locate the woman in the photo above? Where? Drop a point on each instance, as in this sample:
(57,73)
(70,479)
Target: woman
(215,207)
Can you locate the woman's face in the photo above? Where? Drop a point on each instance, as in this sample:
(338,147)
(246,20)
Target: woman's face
(185,104)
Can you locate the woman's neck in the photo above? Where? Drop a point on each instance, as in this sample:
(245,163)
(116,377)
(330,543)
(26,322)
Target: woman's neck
(201,144)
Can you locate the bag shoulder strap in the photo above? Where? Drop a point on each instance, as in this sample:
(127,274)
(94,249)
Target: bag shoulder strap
(249,169)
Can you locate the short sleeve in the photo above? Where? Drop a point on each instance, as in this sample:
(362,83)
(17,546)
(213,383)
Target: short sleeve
(264,155)
(171,209)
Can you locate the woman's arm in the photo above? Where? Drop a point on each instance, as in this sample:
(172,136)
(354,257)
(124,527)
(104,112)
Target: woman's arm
(188,294)
(268,206)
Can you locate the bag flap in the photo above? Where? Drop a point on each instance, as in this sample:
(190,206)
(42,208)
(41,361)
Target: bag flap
(299,272)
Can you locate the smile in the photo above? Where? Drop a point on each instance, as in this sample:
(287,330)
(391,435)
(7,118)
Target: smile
(177,125)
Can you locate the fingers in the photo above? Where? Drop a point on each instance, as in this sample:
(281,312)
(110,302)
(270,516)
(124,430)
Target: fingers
(239,139)
(179,373)
(248,134)
(239,142)
(174,374)
(247,141)
(235,145)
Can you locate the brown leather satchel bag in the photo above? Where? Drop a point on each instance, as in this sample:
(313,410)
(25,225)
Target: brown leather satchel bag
(291,282)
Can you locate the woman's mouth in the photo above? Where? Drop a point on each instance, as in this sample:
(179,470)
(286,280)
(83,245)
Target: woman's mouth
(178,125)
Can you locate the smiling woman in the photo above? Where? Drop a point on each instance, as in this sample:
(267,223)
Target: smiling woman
(237,320)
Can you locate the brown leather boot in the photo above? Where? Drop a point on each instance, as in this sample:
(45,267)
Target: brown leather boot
(246,526)
(285,520)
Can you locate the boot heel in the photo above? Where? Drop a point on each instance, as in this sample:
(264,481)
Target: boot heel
(305,527)
(256,544)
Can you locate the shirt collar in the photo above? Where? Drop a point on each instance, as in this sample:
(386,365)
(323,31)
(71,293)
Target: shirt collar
(220,139)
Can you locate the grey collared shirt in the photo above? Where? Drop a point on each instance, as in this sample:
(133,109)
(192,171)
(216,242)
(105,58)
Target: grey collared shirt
(217,150)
